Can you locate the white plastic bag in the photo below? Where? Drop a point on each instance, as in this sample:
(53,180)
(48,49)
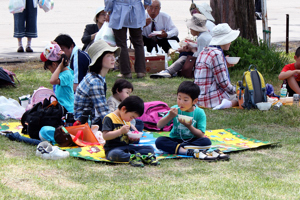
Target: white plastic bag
(16,6)
(46,5)
(106,34)
(10,108)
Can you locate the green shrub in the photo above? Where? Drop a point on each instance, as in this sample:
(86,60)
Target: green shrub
(268,60)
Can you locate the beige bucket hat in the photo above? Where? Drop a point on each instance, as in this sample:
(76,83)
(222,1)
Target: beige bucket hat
(206,10)
(98,48)
(197,23)
(222,34)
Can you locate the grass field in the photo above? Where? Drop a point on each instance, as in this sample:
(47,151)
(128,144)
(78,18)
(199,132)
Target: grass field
(268,173)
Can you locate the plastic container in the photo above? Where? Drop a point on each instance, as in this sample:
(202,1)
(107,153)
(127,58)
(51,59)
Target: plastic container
(233,60)
(283,91)
(135,134)
(277,106)
(264,105)
(185,118)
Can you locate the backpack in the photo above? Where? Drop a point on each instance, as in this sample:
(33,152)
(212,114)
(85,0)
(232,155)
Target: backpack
(7,77)
(153,112)
(42,114)
(253,87)
(39,95)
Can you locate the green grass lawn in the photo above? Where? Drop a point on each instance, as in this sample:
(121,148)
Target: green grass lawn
(267,173)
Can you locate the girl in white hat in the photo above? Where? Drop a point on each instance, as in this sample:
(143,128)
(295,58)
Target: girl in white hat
(211,72)
(91,91)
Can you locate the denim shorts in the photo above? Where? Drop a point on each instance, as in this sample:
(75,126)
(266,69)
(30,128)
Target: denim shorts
(25,23)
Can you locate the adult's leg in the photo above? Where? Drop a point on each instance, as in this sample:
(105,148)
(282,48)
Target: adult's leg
(121,38)
(138,44)
(19,29)
(177,65)
(31,21)
(164,44)
(149,43)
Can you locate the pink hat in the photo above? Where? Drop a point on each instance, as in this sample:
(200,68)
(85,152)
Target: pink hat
(51,52)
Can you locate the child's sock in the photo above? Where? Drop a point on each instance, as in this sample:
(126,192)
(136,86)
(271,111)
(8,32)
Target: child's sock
(190,152)
(20,43)
(224,104)
(28,44)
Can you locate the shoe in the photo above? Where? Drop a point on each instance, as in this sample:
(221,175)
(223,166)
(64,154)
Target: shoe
(220,155)
(140,75)
(258,15)
(46,151)
(20,49)
(162,74)
(203,155)
(136,160)
(29,49)
(128,76)
(150,159)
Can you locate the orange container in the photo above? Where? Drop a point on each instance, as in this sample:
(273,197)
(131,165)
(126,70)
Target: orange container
(82,135)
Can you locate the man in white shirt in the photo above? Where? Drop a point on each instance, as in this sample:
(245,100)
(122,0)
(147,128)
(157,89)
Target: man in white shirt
(158,21)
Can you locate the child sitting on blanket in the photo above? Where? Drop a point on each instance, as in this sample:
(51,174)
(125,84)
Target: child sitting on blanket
(121,90)
(291,75)
(186,132)
(115,128)
(56,61)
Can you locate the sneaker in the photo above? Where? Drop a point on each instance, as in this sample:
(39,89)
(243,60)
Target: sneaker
(220,155)
(20,49)
(29,49)
(258,15)
(150,159)
(161,74)
(203,155)
(140,75)
(46,151)
(127,76)
(136,160)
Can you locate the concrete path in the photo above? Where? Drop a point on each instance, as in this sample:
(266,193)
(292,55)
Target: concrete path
(71,16)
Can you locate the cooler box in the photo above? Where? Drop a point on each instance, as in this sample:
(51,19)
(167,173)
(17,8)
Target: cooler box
(153,63)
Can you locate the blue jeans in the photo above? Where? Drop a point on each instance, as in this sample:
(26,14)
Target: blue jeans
(17,137)
(25,23)
(122,154)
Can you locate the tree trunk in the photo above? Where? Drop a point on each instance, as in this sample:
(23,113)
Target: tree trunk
(239,14)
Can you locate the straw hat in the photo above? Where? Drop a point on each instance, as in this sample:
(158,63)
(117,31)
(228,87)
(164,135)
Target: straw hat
(197,23)
(98,48)
(205,9)
(222,34)
(101,8)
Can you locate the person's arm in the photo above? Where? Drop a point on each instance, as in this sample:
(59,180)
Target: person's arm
(97,95)
(87,35)
(110,135)
(170,29)
(54,80)
(165,120)
(75,85)
(288,74)
(219,71)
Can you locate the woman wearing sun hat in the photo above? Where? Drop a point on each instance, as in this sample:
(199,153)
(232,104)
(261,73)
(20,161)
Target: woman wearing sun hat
(205,10)
(91,92)
(197,28)
(211,72)
(91,30)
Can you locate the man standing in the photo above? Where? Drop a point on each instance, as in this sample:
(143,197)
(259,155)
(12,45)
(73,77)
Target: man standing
(79,61)
(158,21)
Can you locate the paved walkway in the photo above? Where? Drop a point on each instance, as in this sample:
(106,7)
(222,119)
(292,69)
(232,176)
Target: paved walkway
(69,16)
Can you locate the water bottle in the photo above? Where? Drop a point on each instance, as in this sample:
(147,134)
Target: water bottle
(70,119)
(86,117)
(283,91)
(296,100)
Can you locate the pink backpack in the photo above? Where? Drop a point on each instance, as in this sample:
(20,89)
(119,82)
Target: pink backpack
(39,95)
(153,112)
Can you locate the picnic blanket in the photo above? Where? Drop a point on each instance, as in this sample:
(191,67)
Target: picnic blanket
(226,140)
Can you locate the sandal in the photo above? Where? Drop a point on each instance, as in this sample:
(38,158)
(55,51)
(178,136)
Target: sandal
(220,155)
(203,155)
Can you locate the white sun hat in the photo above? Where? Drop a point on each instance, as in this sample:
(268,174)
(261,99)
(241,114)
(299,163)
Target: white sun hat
(222,34)
(205,9)
(101,8)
